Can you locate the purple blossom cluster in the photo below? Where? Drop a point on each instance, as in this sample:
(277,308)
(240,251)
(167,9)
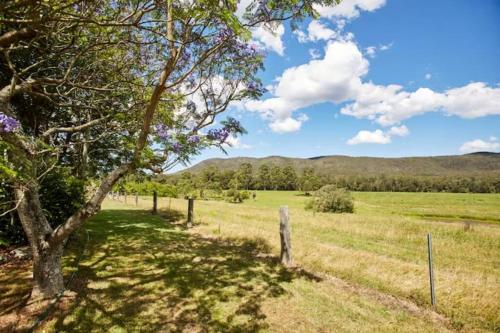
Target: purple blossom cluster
(223,34)
(162,131)
(177,147)
(220,135)
(193,140)
(8,124)
(247,49)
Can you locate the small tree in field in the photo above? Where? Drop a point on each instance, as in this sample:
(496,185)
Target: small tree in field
(330,199)
(108,87)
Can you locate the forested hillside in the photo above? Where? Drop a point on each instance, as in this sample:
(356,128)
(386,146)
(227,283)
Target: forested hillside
(476,164)
(479,172)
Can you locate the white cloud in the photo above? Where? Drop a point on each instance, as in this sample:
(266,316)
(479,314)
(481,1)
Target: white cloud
(428,76)
(479,145)
(378,136)
(314,53)
(370,51)
(398,131)
(493,138)
(318,31)
(385,47)
(335,78)
(234,142)
(288,124)
(473,100)
(270,38)
(338,78)
(349,8)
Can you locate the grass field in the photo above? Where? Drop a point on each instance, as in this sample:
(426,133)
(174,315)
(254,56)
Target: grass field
(361,272)
(383,245)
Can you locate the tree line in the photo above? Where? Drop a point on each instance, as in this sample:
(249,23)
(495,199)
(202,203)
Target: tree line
(275,177)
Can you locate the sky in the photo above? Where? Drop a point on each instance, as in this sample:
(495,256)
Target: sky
(386,78)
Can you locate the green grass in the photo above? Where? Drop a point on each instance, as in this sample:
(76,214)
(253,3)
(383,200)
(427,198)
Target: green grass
(362,272)
(383,245)
(445,206)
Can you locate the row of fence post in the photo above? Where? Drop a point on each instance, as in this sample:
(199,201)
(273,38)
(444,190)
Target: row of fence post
(285,235)
(286,249)
(117,195)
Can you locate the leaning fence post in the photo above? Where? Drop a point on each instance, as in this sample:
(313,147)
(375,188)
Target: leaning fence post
(431,270)
(190,212)
(286,246)
(155,202)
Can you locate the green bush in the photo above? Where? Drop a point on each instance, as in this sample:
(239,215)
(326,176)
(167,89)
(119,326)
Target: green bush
(330,199)
(147,188)
(236,196)
(60,195)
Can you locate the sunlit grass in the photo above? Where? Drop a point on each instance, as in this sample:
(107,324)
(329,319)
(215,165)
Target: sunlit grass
(147,273)
(384,247)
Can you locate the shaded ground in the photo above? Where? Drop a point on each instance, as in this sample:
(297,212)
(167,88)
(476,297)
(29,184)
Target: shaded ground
(143,273)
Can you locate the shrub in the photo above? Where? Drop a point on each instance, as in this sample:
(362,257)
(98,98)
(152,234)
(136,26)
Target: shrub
(331,199)
(60,195)
(236,196)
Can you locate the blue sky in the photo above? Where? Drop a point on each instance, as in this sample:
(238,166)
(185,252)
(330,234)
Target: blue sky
(390,78)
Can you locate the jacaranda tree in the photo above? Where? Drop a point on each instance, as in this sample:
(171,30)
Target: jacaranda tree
(112,86)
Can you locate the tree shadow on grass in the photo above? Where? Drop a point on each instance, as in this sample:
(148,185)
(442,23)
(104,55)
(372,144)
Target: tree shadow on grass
(142,273)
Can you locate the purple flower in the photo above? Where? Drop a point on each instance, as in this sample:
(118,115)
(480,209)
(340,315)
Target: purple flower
(177,147)
(218,134)
(162,131)
(8,124)
(252,86)
(195,139)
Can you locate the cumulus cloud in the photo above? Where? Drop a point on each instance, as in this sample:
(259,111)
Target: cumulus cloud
(338,78)
(479,145)
(316,31)
(270,38)
(319,31)
(235,142)
(334,78)
(314,53)
(378,136)
(288,124)
(349,9)
(370,51)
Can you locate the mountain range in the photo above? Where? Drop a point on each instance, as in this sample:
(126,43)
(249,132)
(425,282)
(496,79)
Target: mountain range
(474,164)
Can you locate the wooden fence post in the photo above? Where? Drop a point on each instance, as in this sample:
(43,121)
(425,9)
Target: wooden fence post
(431,270)
(286,246)
(155,202)
(190,212)
(125,196)
(136,198)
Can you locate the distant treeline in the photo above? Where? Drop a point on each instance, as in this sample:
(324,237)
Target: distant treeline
(274,177)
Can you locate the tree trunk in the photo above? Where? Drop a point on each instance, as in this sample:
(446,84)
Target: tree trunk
(47,274)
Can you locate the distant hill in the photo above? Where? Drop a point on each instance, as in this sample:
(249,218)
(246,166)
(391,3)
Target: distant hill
(475,164)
